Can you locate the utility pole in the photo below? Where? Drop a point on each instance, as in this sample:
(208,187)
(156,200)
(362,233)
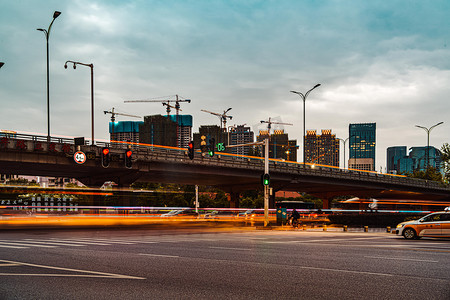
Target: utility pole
(266,171)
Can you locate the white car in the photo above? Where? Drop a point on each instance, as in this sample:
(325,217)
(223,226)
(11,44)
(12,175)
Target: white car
(432,225)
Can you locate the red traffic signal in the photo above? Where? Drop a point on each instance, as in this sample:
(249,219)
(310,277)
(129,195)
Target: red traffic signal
(128,158)
(105,157)
(191,150)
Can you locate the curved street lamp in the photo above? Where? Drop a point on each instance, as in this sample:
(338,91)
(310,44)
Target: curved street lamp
(428,130)
(75,63)
(47,36)
(345,141)
(304,96)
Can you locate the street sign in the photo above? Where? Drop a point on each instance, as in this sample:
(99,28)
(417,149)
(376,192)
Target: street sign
(220,147)
(79,157)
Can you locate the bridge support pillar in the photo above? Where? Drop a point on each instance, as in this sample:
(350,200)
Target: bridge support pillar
(326,203)
(234,199)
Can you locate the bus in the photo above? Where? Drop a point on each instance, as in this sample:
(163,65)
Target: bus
(298,205)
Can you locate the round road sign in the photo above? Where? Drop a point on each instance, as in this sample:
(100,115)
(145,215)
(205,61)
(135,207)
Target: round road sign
(79,157)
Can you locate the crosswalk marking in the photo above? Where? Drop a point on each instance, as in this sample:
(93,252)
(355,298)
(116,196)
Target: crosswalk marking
(69,242)
(106,241)
(121,241)
(52,243)
(80,242)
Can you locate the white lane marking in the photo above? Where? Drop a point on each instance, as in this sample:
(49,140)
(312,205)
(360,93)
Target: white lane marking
(13,247)
(321,240)
(80,242)
(158,255)
(104,241)
(398,258)
(115,241)
(229,248)
(8,265)
(346,271)
(88,273)
(20,243)
(51,243)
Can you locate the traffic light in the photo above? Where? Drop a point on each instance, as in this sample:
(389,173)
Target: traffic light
(191,150)
(105,157)
(203,143)
(212,145)
(265,178)
(128,157)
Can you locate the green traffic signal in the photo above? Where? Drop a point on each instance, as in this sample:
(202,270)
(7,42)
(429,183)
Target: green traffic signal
(265,179)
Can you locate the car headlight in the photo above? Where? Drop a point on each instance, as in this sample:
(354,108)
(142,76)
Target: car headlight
(400,225)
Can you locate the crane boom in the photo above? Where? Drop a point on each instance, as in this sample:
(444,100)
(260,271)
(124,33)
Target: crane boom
(223,117)
(166,102)
(270,122)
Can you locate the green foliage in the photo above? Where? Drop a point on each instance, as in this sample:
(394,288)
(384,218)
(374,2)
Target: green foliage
(446,161)
(430,174)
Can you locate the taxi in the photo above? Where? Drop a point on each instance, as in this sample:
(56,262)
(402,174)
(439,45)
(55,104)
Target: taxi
(432,225)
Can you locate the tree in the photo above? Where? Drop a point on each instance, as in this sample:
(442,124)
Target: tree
(429,174)
(446,160)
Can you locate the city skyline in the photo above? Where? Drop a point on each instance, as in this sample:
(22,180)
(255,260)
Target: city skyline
(386,63)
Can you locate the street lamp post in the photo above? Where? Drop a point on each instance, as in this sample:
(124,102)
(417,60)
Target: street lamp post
(345,141)
(75,63)
(428,130)
(47,36)
(304,96)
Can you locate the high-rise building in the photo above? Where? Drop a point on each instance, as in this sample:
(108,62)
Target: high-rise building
(279,145)
(416,160)
(154,130)
(184,129)
(210,132)
(393,155)
(240,135)
(322,149)
(362,146)
(125,131)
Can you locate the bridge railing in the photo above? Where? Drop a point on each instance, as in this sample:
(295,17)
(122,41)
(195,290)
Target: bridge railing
(238,161)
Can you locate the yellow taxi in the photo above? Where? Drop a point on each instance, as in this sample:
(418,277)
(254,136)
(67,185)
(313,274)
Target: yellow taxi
(432,225)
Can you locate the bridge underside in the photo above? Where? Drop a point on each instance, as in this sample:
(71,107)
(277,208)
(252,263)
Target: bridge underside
(203,172)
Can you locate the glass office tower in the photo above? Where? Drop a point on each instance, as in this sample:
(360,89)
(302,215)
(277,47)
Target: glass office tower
(362,146)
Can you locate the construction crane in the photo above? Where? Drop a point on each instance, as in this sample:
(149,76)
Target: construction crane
(222,117)
(270,122)
(166,102)
(113,117)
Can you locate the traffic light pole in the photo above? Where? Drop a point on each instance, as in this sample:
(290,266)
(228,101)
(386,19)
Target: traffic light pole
(266,171)
(266,187)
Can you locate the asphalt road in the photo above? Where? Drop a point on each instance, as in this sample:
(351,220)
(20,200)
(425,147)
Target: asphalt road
(205,264)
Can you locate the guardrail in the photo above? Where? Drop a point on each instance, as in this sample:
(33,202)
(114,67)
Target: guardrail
(150,151)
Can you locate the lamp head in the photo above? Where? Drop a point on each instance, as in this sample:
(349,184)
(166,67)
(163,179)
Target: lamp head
(56,14)
(1,64)
(317,85)
(74,66)
(40,29)
(65,66)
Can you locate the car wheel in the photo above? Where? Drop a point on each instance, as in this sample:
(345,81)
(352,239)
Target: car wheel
(409,234)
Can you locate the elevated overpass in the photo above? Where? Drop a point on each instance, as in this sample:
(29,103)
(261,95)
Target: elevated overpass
(33,155)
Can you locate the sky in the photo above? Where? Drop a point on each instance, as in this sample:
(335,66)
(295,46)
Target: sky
(378,61)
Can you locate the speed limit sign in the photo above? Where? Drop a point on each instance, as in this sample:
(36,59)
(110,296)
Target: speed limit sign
(79,157)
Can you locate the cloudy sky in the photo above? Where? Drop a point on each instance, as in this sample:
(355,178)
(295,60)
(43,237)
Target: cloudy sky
(377,61)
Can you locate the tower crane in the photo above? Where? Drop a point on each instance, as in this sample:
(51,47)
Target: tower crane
(222,117)
(113,117)
(166,102)
(270,122)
